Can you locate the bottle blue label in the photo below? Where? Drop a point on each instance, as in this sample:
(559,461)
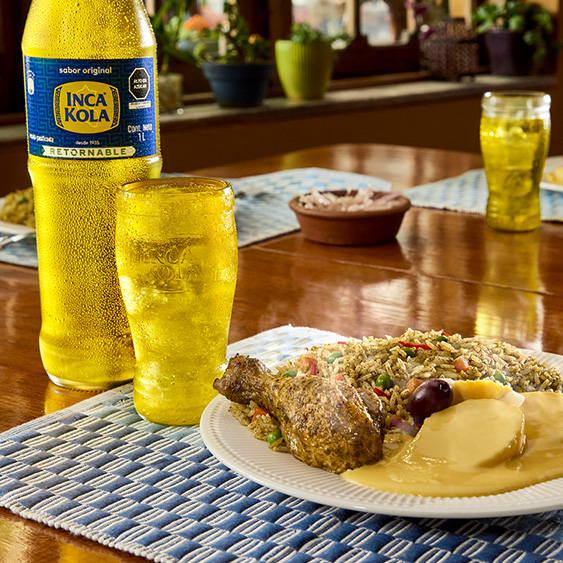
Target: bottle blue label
(90,109)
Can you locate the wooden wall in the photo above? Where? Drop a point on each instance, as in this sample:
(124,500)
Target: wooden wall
(447,124)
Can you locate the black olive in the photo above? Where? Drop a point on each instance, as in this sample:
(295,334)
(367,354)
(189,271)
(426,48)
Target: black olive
(429,397)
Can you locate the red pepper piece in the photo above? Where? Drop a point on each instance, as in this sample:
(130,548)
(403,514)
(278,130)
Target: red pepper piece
(417,346)
(305,360)
(379,392)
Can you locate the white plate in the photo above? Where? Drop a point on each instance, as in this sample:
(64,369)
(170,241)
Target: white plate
(13,228)
(233,444)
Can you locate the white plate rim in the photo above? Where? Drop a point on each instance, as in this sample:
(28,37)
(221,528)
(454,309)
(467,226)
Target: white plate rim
(234,446)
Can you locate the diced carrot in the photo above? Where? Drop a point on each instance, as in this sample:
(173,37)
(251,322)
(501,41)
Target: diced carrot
(462,364)
(259,411)
(413,383)
(337,376)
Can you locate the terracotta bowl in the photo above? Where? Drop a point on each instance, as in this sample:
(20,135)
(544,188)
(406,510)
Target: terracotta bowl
(351,228)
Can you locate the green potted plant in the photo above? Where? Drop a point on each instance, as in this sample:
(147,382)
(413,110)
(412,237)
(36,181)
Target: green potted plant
(305,61)
(239,72)
(518,35)
(167,25)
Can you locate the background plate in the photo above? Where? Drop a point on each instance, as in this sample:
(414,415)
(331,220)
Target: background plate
(12,228)
(550,165)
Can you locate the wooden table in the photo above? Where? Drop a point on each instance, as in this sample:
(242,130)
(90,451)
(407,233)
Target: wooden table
(446,270)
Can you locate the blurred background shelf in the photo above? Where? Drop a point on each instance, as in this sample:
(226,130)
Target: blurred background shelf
(422,113)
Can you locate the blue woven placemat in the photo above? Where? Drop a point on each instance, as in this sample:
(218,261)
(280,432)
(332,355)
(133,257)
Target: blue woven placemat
(22,252)
(100,471)
(468,193)
(261,208)
(262,211)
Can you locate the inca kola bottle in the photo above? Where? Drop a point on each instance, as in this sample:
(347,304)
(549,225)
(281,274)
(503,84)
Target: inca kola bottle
(92,124)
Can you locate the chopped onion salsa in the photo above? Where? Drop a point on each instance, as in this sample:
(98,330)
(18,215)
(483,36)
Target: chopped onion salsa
(363,199)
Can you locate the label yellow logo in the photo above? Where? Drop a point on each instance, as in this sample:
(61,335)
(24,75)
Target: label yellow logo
(86,107)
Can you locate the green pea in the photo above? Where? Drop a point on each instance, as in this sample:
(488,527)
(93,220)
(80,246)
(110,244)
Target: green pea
(441,338)
(500,377)
(333,355)
(410,352)
(384,381)
(274,436)
(289,373)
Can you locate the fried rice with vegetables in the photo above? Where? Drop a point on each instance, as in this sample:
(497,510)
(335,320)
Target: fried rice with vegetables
(18,208)
(393,367)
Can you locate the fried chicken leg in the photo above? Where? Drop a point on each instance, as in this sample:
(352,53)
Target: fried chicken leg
(325,423)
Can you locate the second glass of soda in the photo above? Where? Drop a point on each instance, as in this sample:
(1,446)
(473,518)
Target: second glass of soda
(515,133)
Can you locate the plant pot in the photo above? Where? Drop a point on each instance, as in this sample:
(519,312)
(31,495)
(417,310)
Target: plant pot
(304,70)
(508,54)
(238,85)
(170,89)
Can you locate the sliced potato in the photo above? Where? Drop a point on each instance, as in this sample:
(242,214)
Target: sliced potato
(478,389)
(473,433)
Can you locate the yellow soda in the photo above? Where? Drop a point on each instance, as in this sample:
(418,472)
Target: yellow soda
(92,124)
(177,255)
(515,132)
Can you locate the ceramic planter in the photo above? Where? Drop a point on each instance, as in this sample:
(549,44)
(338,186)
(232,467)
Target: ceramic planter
(304,70)
(238,85)
(508,54)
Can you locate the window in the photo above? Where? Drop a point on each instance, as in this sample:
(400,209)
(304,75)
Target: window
(383,38)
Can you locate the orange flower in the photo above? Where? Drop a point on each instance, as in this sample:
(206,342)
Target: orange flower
(255,38)
(196,23)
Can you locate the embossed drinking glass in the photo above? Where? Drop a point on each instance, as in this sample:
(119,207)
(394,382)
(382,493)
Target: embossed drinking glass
(515,132)
(176,252)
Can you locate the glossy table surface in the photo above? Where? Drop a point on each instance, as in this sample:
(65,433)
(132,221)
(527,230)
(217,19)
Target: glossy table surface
(446,270)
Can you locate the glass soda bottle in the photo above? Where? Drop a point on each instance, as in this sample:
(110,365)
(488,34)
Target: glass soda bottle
(92,125)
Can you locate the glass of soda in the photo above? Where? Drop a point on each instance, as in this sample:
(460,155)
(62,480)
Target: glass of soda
(515,132)
(177,254)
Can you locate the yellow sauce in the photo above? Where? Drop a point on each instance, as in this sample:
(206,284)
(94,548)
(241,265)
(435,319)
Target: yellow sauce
(477,447)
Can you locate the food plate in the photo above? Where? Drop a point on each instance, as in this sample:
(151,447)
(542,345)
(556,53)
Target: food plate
(12,228)
(550,165)
(233,445)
